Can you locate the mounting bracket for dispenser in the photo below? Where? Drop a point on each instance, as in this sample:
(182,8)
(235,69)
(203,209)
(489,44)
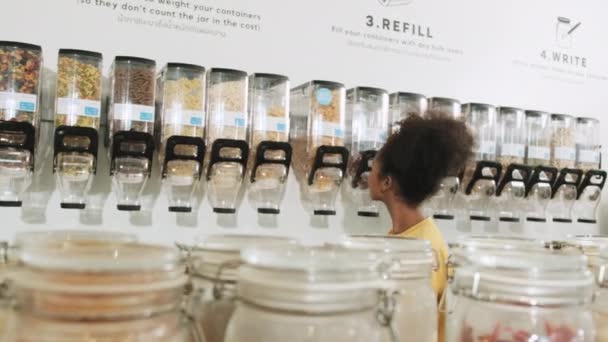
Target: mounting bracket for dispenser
(478,174)
(28,131)
(562,179)
(318,163)
(535,178)
(132,137)
(525,170)
(62,132)
(588,181)
(176,140)
(216,157)
(260,156)
(363,167)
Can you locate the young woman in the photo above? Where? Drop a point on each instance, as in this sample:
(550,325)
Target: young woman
(409,169)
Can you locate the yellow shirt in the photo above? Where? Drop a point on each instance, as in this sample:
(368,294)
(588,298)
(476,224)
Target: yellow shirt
(428,230)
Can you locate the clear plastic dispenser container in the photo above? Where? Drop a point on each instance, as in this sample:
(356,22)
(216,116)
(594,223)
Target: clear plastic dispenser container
(77,118)
(589,196)
(181,130)
(600,306)
(523,296)
(213,263)
(271,152)
(298,294)
(564,195)
(227,124)
(367,124)
(539,191)
(403,105)
(588,144)
(410,264)
(511,191)
(442,203)
(538,138)
(563,141)
(85,289)
(318,137)
(481,175)
(131,128)
(20,79)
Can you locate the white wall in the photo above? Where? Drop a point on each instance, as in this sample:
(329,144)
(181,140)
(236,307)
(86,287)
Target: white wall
(480,50)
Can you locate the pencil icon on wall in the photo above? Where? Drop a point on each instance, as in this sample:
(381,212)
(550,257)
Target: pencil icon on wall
(395,2)
(564,32)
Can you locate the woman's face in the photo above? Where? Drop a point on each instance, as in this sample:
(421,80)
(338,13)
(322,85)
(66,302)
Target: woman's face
(378,183)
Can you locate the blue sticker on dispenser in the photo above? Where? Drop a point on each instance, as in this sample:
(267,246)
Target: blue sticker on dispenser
(324,96)
(338,133)
(239,122)
(146,116)
(27,106)
(91,111)
(281,127)
(196,121)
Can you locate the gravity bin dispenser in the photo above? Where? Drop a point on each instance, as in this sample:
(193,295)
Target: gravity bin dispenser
(539,191)
(564,195)
(270,150)
(20,70)
(227,123)
(180,130)
(403,105)
(588,159)
(442,203)
(317,133)
(511,192)
(366,127)
(481,176)
(77,120)
(131,128)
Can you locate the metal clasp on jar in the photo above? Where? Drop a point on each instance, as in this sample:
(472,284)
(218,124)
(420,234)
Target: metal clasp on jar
(218,283)
(386,312)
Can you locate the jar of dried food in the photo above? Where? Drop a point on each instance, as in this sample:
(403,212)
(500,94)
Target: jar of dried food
(404,105)
(600,306)
(317,134)
(75,290)
(538,138)
(445,106)
(588,145)
(78,101)
(214,263)
(410,264)
(270,151)
(20,78)
(296,294)
(523,296)
(511,136)
(132,95)
(563,143)
(367,124)
(181,102)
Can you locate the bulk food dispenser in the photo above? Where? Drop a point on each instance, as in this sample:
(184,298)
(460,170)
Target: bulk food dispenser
(131,128)
(317,133)
(481,175)
(366,128)
(227,123)
(588,159)
(538,156)
(20,70)
(404,105)
(181,129)
(511,191)
(563,157)
(77,119)
(442,203)
(270,151)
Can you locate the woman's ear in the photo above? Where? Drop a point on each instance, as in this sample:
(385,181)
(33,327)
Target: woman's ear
(387,184)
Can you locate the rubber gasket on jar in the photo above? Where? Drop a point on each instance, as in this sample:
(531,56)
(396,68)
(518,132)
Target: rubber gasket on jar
(6,43)
(75,52)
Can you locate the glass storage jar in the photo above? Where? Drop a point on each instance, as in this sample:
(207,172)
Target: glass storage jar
(403,105)
(410,264)
(600,306)
(588,145)
(523,296)
(538,138)
(511,136)
(213,266)
(563,143)
(298,294)
(86,289)
(446,106)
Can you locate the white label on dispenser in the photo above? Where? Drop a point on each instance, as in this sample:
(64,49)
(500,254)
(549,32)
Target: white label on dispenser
(271,124)
(376,135)
(513,150)
(133,112)
(565,153)
(328,129)
(588,156)
(487,147)
(231,119)
(184,117)
(18,101)
(539,152)
(78,107)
